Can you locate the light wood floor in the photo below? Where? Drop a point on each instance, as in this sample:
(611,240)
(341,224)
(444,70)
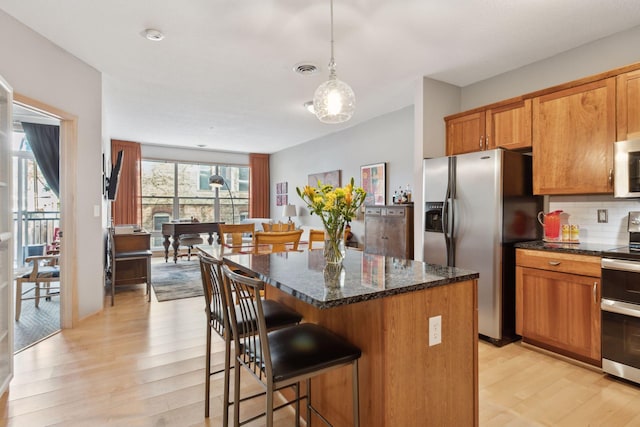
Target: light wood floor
(141,364)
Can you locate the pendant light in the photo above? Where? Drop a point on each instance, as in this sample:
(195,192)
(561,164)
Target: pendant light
(334,100)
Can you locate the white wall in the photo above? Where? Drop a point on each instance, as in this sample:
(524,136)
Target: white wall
(388,138)
(605,54)
(36,68)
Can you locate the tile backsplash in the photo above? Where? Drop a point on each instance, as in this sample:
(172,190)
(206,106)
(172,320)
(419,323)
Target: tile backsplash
(583,210)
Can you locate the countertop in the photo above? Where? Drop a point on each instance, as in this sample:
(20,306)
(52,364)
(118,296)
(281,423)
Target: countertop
(594,249)
(363,277)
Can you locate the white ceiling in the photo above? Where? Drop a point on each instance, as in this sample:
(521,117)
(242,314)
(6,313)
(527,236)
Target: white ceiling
(223,76)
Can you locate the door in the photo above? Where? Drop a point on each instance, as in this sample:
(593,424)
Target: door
(6,241)
(478,215)
(436,180)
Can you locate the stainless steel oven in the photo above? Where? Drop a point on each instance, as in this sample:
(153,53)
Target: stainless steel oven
(620,307)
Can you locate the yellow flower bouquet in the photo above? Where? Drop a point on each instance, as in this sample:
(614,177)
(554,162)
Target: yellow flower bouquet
(335,206)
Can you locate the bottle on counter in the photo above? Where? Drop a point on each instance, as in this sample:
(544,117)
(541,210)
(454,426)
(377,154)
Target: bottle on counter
(408,193)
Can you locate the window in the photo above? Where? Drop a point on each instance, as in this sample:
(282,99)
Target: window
(172,190)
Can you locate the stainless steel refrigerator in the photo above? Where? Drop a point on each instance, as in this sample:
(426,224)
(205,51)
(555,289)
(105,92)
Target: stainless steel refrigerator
(477,206)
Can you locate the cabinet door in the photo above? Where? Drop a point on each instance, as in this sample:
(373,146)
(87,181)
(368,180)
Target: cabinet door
(509,126)
(395,236)
(562,311)
(628,101)
(374,231)
(465,134)
(573,132)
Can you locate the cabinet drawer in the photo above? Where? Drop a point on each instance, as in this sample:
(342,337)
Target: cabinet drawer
(584,265)
(395,211)
(370,210)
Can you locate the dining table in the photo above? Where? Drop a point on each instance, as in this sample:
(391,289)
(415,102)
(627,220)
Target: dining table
(416,324)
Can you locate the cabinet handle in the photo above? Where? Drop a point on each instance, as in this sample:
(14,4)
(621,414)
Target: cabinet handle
(481,138)
(595,292)
(486,142)
(554,263)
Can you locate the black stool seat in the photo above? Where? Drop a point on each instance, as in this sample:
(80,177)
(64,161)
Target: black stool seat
(303,349)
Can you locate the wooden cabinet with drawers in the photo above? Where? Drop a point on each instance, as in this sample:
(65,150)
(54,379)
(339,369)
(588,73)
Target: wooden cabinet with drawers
(558,302)
(388,230)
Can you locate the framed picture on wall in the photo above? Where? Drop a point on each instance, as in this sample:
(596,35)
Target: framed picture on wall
(331,177)
(373,180)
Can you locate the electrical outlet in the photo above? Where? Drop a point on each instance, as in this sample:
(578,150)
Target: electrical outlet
(435,330)
(603,215)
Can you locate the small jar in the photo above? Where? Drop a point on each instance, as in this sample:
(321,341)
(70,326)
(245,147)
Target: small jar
(574,233)
(566,232)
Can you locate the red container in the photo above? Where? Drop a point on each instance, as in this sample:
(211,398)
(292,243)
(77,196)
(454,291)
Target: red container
(551,224)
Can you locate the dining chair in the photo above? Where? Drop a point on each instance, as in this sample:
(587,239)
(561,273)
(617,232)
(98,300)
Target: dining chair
(44,271)
(315,236)
(287,226)
(217,312)
(283,357)
(276,241)
(235,236)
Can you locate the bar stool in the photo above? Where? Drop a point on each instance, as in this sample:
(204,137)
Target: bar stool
(216,309)
(277,359)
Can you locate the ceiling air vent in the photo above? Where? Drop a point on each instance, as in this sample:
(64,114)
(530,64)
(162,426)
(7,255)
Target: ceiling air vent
(305,69)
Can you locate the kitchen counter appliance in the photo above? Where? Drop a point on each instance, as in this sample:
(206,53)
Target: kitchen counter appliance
(477,206)
(620,306)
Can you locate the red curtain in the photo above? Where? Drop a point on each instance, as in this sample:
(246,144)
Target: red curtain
(259,186)
(127,208)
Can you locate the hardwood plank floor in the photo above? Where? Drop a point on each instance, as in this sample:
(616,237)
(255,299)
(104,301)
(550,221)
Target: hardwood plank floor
(141,364)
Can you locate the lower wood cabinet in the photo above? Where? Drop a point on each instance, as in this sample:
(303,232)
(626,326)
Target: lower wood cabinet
(558,302)
(388,230)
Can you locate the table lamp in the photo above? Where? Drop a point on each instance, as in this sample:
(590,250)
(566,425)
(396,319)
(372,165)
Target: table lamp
(289,210)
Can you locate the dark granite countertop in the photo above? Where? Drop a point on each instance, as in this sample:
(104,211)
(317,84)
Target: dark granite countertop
(363,277)
(594,249)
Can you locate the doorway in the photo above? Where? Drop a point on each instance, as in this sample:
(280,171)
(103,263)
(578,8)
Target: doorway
(36,218)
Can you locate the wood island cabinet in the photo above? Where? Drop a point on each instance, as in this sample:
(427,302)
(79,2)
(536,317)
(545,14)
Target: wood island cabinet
(558,302)
(628,104)
(505,125)
(388,230)
(573,134)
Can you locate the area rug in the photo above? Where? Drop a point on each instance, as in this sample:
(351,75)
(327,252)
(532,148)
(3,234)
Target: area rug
(179,280)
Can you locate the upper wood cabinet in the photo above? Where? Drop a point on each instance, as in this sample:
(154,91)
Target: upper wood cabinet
(628,103)
(465,134)
(509,126)
(506,125)
(573,134)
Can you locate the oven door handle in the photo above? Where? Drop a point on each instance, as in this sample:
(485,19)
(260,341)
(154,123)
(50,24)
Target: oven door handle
(617,264)
(620,307)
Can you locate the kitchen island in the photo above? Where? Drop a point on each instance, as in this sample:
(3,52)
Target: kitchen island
(384,305)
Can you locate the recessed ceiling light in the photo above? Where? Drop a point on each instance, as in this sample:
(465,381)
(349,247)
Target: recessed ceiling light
(153,35)
(309,107)
(305,68)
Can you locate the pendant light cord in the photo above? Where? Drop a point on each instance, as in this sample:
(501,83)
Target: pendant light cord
(332,62)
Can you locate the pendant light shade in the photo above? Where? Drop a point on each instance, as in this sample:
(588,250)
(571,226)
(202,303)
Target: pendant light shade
(334,100)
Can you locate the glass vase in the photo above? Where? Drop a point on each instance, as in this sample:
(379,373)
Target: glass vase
(334,248)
